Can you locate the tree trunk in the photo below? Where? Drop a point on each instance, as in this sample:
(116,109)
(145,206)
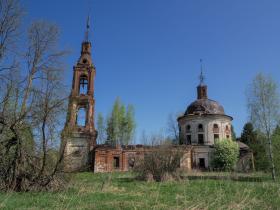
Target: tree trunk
(271,158)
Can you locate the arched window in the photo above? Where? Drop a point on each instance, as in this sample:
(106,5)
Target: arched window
(216,136)
(188,128)
(215,128)
(81,117)
(200,128)
(227,129)
(83,88)
(84,61)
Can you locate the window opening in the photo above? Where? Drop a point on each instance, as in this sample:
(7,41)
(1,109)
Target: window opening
(188,128)
(200,128)
(200,139)
(116,162)
(216,136)
(202,163)
(189,139)
(81,117)
(215,128)
(83,85)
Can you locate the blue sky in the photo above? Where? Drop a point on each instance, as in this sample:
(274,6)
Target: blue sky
(147,52)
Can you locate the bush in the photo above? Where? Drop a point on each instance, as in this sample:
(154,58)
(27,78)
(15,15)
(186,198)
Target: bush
(225,155)
(158,163)
(276,149)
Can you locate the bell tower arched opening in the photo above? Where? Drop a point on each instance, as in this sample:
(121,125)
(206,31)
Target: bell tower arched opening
(83,85)
(81,119)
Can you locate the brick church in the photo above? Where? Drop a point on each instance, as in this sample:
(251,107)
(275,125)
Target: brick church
(200,126)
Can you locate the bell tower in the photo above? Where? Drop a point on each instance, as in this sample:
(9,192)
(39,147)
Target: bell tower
(79,135)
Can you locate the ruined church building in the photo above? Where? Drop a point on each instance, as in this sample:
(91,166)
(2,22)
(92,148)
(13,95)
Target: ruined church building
(203,122)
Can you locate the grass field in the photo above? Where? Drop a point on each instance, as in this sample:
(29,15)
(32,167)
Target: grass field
(121,191)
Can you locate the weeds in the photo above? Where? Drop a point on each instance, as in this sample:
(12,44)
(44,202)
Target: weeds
(122,191)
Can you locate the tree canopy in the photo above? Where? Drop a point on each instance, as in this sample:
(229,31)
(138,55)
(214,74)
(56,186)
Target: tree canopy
(120,125)
(225,155)
(264,109)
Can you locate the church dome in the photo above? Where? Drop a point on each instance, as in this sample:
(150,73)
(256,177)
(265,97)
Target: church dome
(204,106)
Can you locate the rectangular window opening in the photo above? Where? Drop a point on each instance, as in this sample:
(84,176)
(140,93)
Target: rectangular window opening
(83,88)
(189,139)
(81,117)
(216,136)
(200,139)
(116,162)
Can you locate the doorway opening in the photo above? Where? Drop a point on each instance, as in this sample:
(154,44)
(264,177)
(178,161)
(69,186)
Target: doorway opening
(202,163)
(116,162)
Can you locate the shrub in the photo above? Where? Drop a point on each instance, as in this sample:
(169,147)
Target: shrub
(158,163)
(225,155)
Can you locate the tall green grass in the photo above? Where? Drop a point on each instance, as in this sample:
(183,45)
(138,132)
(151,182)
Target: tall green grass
(122,191)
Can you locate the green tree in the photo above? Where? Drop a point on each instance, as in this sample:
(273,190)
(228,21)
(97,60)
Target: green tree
(101,129)
(113,124)
(261,157)
(248,135)
(130,125)
(225,154)
(233,134)
(276,147)
(264,105)
(120,124)
(256,141)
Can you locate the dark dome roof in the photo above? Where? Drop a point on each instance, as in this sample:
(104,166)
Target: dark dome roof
(205,106)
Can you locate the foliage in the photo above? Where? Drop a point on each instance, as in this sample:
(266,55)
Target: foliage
(120,124)
(159,162)
(233,134)
(276,148)
(31,104)
(248,135)
(264,107)
(256,141)
(225,154)
(263,103)
(261,154)
(101,129)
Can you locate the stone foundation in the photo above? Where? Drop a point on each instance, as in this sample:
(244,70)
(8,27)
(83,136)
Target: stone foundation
(77,153)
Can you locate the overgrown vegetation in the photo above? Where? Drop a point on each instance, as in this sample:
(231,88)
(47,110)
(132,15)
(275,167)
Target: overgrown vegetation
(31,103)
(276,148)
(225,155)
(122,191)
(160,163)
(256,141)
